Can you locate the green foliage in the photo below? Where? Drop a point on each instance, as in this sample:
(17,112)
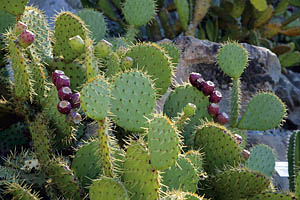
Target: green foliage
(14,7)
(7,21)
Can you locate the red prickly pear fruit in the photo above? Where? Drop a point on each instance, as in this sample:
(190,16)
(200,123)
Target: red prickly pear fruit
(215,97)
(213,109)
(64,107)
(20,27)
(194,77)
(199,83)
(75,100)
(103,49)
(245,154)
(222,118)
(77,44)
(56,74)
(65,93)
(75,117)
(208,87)
(238,138)
(26,38)
(61,81)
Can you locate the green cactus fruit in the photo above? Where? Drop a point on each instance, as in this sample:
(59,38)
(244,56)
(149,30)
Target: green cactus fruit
(77,44)
(274,196)
(103,48)
(264,16)
(21,191)
(133,100)
(182,175)
(293,159)
(183,11)
(158,66)
(172,51)
(178,99)
(15,7)
(262,159)
(36,22)
(126,63)
(232,59)
(86,163)
(95,97)
(140,178)
(7,21)
(289,59)
(23,84)
(264,111)
(64,179)
(189,110)
(196,159)
(112,65)
(260,5)
(138,12)
(107,188)
(13,137)
(218,145)
(163,142)
(91,63)
(41,137)
(67,25)
(94,22)
(75,71)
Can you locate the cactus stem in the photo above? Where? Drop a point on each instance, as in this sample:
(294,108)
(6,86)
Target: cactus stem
(236,93)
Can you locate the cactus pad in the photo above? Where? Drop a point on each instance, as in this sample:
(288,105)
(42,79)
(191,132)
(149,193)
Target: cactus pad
(95,96)
(262,159)
(15,7)
(260,5)
(293,158)
(21,191)
(273,196)
(218,145)
(196,159)
(178,195)
(139,12)
(108,188)
(158,65)
(140,178)
(264,111)
(172,51)
(91,63)
(183,12)
(163,142)
(7,20)
(232,59)
(133,100)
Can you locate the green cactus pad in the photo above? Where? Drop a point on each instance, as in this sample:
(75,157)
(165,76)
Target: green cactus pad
(15,7)
(133,100)
(108,188)
(138,12)
(94,22)
(218,145)
(260,5)
(232,59)
(183,12)
(158,65)
(196,159)
(172,51)
(274,196)
(21,192)
(94,99)
(86,163)
(112,65)
(7,21)
(140,178)
(298,185)
(182,175)
(293,158)
(39,85)
(178,99)
(264,111)
(75,71)
(67,25)
(243,184)
(91,63)
(178,195)
(262,159)
(163,142)
(64,179)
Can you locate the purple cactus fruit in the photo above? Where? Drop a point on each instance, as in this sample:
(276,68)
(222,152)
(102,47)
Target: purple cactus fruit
(56,74)
(62,81)
(20,27)
(222,118)
(26,38)
(75,100)
(194,77)
(208,87)
(64,107)
(213,109)
(65,93)
(75,117)
(199,83)
(215,97)
(245,154)
(238,138)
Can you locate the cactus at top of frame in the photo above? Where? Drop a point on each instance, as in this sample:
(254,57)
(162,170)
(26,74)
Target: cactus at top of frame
(163,142)
(232,59)
(108,188)
(139,12)
(15,7)
(133,100)
(264,111)
(183,10)
(67,25)
(158,65)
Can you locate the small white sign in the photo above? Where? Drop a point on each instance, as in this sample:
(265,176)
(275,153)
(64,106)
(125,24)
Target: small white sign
(282,169)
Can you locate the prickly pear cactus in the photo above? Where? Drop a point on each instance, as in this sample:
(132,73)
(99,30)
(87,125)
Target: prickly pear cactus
(183,12)
(15,7)
(91,63)
(179,195)
(293,159)
(196,159)
(21,191)
(7,21)
(274,196)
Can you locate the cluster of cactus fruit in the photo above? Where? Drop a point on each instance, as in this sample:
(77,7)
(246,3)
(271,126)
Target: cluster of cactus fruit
(137,152)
